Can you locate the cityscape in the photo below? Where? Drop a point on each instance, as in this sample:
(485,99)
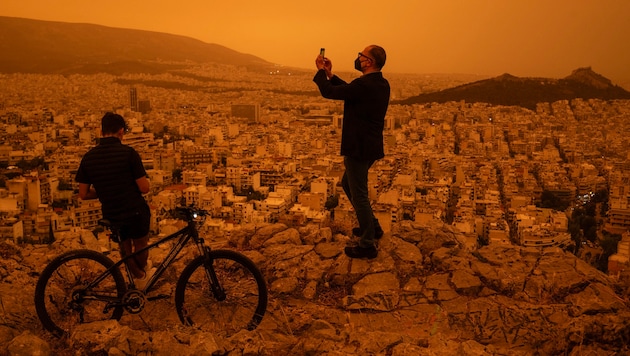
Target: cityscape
(504,192)
(253,148)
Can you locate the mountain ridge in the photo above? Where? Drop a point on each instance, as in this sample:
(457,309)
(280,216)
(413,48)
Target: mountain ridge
(36,46)
(49,47)
(527,92)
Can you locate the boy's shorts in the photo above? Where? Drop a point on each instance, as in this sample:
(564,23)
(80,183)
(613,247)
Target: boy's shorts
(136,226)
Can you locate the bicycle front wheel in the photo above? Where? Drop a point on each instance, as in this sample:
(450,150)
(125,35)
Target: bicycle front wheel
(74,289)
(242,304)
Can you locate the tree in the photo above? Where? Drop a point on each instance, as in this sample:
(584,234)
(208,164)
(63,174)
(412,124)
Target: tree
(51,235)
(61,204)
(600,196)
(254,194)
(575,227)
(23,164)
(590,208)
(549,200)
(177,175)
(609,246)
(591,233)
(32,164)
(587,222)
(331,203)
(483,241)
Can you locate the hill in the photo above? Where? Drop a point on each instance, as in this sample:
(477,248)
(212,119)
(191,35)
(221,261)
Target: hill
(527,92)
(33,46)
(47,47)
(427,293)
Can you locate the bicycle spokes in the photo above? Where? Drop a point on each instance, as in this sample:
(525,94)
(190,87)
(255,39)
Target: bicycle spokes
(76,288)
(238,301)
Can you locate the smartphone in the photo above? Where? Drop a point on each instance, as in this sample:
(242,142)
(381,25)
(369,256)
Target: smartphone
(322,52)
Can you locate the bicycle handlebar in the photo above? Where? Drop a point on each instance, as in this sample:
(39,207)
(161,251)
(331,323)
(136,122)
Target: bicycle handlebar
(190,213)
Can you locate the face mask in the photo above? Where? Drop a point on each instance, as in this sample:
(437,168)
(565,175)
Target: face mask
(357,64)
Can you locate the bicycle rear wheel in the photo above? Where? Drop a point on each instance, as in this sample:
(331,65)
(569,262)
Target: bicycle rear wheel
(64,297)
(245,298)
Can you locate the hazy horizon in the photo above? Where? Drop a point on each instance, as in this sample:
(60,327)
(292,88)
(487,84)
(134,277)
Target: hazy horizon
(483,37)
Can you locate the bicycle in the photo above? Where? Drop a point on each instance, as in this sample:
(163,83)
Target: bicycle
(220,291)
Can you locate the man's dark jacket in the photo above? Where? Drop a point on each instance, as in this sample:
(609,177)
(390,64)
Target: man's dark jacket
(365,104)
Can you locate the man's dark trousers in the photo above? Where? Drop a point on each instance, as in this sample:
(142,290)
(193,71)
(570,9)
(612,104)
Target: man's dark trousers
(355,185)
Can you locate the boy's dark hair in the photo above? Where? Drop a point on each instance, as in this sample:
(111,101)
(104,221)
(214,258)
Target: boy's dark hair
(111,123)
(379,55)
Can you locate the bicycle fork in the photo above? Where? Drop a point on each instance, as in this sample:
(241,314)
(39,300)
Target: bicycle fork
(215,286)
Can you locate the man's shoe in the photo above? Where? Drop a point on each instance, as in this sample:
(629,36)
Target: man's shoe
(142,282)
(377,233)
(361,252)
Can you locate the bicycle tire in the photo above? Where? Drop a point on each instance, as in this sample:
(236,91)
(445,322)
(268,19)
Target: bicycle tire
(69,273)
(245,289)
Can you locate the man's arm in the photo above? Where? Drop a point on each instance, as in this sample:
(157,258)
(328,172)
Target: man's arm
(337,88)
(143,184)
(87,192)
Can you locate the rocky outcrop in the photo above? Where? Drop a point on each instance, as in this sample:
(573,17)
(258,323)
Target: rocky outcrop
(425,293)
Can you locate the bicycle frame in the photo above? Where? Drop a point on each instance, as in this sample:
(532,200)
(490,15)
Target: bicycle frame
(184,234)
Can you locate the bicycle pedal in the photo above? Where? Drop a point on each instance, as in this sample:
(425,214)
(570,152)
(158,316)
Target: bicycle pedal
(159,296)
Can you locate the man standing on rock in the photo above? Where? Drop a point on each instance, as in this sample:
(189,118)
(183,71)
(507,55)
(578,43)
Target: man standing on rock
(114,173)
(365,104)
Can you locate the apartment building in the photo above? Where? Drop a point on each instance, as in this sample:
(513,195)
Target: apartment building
(275,205)
(11,229)
(159,178)
(5,151)
(620,261)
(194,178)
(314,201)
(192,194)
(32,190)
(242,178)
(194,157)
(619,199)
(11,203)
(86,213)
(65,165)
(164,160)
(324,186)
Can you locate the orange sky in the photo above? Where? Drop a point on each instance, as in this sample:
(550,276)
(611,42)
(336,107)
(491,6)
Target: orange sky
(546,38)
